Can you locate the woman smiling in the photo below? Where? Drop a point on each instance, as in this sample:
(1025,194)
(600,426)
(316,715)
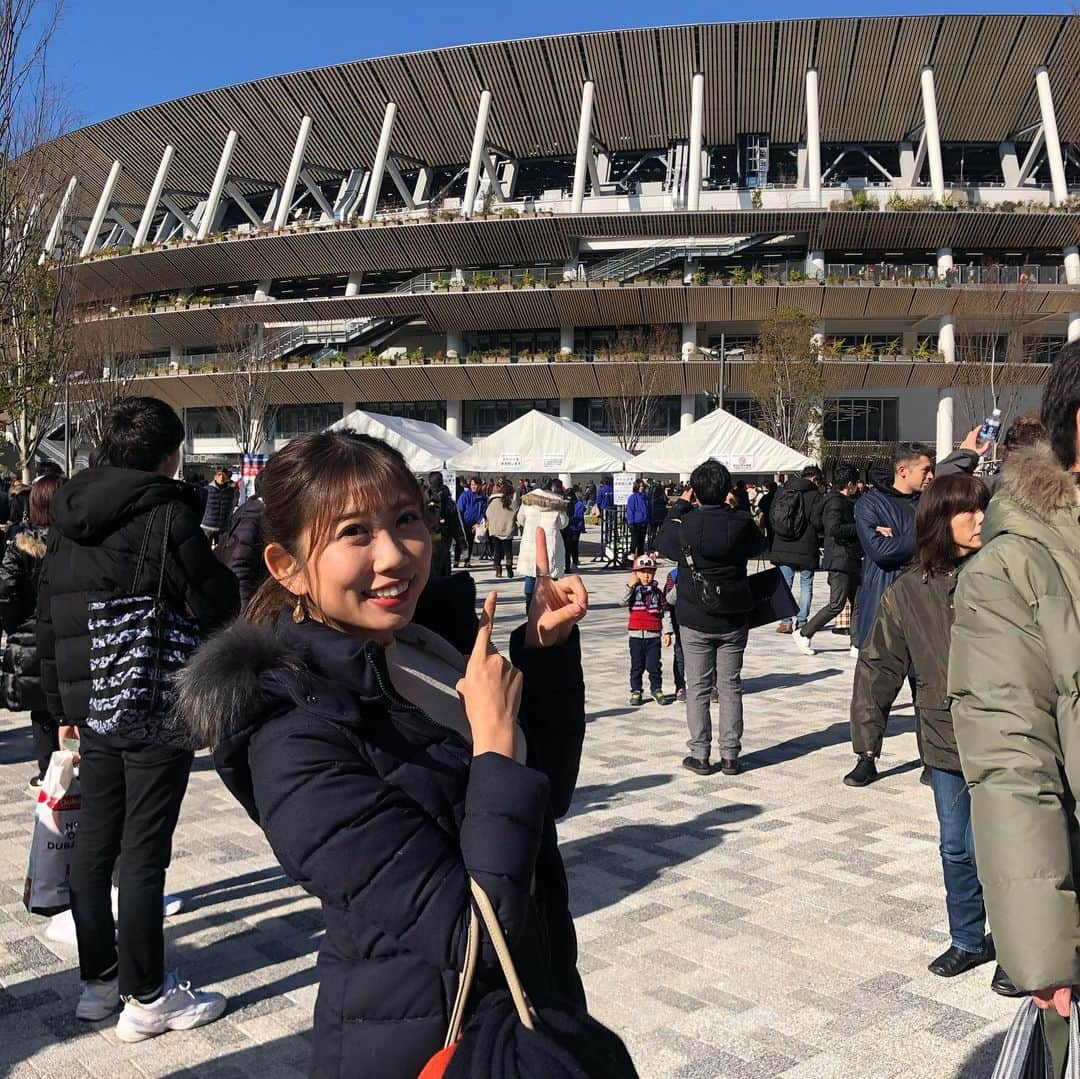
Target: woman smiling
(385,766)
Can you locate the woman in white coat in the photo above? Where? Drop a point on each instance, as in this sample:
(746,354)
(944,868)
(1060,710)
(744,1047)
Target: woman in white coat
(549,511)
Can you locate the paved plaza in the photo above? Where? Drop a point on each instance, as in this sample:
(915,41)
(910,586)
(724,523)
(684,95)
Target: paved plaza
(774,924)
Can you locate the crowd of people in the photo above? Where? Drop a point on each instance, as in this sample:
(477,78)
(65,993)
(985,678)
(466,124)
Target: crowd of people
(335,665)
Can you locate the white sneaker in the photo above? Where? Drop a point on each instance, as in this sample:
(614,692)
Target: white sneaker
(178,1008)
(61,929)
(803,644)
(853,652)
(171,905)
(98,1001)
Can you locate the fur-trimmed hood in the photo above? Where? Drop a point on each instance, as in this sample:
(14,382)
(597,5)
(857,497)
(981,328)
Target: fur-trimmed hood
(31,542)
(1038,499)
(1035,479)
(546,500)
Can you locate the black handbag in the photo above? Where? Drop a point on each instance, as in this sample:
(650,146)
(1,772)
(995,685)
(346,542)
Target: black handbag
(507,1038)
(773,601)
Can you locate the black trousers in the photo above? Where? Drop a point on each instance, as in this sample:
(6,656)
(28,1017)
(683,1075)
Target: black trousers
(131,795)
(572,543)
(645,656)
(637,539)
(440,558)
(465,544)
(503,550)
(46,741)
(842,587)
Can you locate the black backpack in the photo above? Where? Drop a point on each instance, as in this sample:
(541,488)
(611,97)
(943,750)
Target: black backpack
(787,515)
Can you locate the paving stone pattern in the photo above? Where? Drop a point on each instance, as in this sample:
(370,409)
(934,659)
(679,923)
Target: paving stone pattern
(774,924)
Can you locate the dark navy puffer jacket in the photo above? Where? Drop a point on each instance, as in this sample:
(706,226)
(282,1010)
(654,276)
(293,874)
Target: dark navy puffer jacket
(384,814)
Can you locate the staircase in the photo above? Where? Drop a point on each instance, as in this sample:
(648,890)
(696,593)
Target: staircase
(629,264)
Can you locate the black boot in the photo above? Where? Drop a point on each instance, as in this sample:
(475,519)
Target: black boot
(1003,985)
(955,961)
(863,774)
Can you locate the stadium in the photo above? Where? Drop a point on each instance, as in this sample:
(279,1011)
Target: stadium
(464,234)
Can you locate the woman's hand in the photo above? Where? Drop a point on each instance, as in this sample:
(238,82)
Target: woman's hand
(490,691)
(1059,998)
(557,606)
(67,732)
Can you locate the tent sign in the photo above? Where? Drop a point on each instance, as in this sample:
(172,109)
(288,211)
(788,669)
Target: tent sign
(737,462)
(510,460)
(552,462)
(623,483)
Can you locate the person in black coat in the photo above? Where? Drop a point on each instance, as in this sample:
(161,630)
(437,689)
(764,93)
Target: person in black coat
(797,550)
(19,573)
(841,555)
(242,546)
(132,774)
(721,540)
(221,498)
(387,768)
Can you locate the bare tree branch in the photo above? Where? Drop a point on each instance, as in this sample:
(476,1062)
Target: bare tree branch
(633,400)
(247,411)
(787,380)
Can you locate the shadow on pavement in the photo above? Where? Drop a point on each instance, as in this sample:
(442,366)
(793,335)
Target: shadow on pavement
(786,679)
(601,795)
(242,886)
(835,734)
(980,1061)
(634,855)
(17,744)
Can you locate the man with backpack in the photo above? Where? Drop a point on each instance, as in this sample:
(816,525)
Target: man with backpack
(795,516)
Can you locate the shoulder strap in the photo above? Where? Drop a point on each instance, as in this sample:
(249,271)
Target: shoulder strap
(143,548)
(685,547)
(164,550)
(481,908)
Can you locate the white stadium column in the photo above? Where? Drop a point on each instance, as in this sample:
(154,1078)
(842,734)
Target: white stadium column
(453,418)
(686,418)
(101,210)
(1050,135)
(933,134)
(371,203)
(813,137)
(58,220)
(1072,277)
(352,285)
(697,119)
(566,412)
(815,264)
(472,182)
(285,196)
(947,395)
(944,262)
(566,340)
(206,222)
(689,339)
(584,148)
(155,197)
(453,346)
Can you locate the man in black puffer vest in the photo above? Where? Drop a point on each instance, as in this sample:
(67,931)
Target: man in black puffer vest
(221,498)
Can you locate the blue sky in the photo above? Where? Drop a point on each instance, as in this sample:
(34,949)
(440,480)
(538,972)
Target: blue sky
(118,55)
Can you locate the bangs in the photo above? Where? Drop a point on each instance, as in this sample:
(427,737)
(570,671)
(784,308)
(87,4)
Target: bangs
(357,474)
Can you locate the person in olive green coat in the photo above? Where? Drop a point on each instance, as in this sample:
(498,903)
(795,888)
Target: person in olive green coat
(1014,676)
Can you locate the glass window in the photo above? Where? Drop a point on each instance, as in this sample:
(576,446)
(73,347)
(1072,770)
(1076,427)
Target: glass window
(862,419)
(742,408)
(205,423)
(295,420)
(592,412)
(428,411)
(481,418)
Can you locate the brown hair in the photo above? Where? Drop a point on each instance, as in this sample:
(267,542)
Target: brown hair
(41,495)
(307,485)
(506,489)
(938,505)
(1024,431)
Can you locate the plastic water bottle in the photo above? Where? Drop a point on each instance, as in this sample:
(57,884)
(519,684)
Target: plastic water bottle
(991,427)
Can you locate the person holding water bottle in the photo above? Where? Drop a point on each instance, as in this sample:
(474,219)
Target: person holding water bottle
(389,764)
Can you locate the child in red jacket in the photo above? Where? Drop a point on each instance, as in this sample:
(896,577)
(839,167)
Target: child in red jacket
(645,627)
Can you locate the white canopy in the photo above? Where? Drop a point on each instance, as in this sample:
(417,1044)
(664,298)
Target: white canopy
(729,440)
(537,442)
(423,445)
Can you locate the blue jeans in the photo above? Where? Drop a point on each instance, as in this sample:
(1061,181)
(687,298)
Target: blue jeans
(963,892)
(806,591)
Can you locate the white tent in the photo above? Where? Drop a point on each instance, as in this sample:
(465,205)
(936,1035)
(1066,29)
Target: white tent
(744,449)
(423,445)
(537,442)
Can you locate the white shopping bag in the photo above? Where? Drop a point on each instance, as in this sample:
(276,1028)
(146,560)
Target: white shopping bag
(56,821)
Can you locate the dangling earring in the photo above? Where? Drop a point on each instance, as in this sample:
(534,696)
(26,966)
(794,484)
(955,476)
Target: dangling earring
(299,613)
